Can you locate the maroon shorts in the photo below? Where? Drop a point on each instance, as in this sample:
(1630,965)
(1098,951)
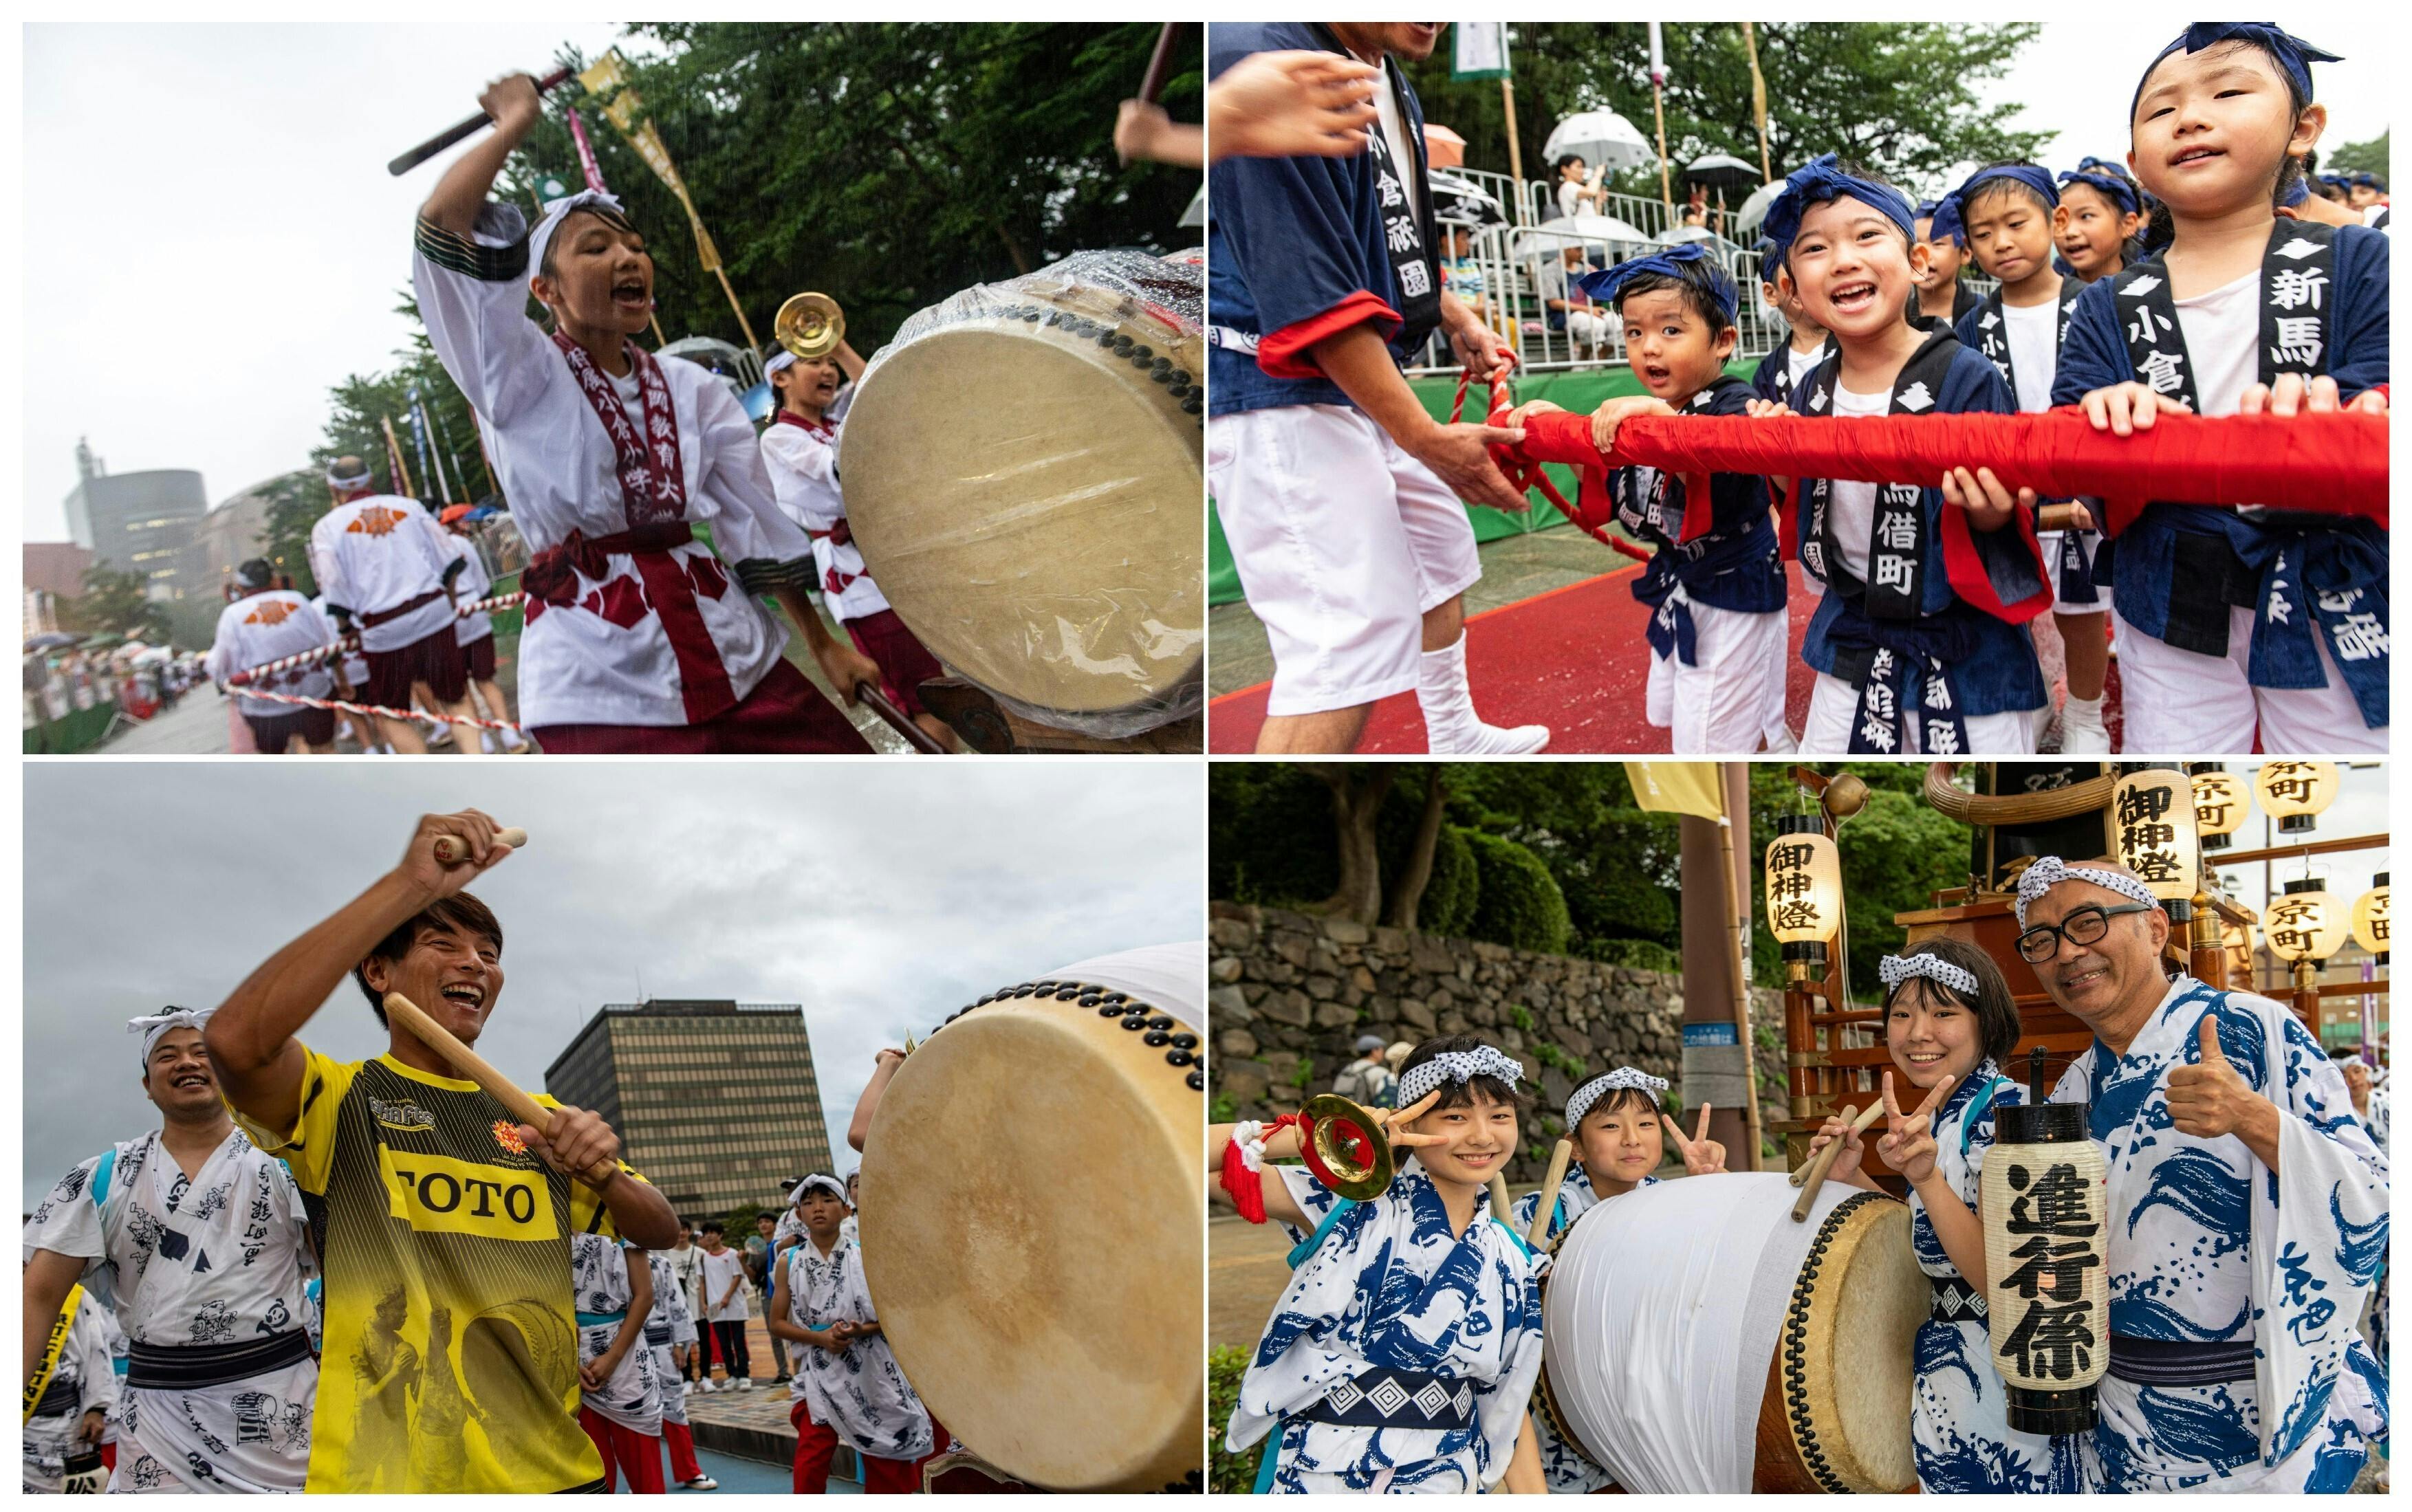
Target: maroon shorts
(784,715)
(479,656)
(434,661)
(271,733)
(904,662)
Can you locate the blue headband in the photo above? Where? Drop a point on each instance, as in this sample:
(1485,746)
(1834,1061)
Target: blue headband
(2367,180)
(1820,182)
(2296,194)
(2032,177)
(1605,284)
(1947,224)
(2117,190)
(2292,55)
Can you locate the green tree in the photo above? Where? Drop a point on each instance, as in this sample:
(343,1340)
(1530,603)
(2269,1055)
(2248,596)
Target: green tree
(295,502)
(1903,97)
(2358,156)
(114,600)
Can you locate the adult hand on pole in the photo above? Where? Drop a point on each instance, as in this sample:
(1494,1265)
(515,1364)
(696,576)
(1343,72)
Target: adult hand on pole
(1460,456)
(512,103)
(1908,1142)
(578,1144)
(480,848)
(1702,1155)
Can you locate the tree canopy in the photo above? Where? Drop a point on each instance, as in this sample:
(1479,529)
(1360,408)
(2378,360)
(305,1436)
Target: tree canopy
(1903,97)
(2358,156)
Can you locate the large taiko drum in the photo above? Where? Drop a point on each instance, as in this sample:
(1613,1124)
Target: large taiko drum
(1023,468)
(1698,1340)
(1030,1232)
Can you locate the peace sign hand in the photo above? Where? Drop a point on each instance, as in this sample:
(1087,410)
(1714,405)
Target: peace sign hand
(1393,1122)
(1702,1155)
(1908,1143)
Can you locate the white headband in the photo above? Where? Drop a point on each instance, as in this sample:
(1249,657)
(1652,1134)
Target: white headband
(153,1026)
(828,1183)
(1895,970)
(358,480)
(2049,872)
(1617,1080)
(785,359)
(557,211)
(1459,1067)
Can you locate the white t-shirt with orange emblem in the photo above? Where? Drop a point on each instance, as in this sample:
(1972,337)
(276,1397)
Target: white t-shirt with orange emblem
(254,631)
(377,554)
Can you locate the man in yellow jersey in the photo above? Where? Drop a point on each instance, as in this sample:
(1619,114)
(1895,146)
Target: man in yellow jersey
(450,1359)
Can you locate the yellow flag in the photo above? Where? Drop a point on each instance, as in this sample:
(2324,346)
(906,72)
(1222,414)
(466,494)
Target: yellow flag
(1678,787)
(609,72)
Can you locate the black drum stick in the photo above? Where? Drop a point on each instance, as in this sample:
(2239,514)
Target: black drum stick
(1159,64)
(442,139)
(915,736)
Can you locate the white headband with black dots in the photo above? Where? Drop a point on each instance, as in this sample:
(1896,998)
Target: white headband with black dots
(1895,970)
(2049,872)
(1459,1067)
(1619,1079)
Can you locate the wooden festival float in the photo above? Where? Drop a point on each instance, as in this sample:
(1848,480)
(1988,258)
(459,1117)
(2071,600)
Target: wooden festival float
(1834,1049)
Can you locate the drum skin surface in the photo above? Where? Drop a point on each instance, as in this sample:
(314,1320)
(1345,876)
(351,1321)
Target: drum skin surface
(1836,1414)
(1030,501)
(1033,1243)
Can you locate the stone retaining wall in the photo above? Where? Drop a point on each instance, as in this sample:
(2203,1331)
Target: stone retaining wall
(1292,992)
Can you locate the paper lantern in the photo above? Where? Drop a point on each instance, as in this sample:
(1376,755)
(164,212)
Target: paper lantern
(2151,827)
(2370,919)
(2220,804)
(1804,892)
(2047,1303)
(2305,925)
(2296,793)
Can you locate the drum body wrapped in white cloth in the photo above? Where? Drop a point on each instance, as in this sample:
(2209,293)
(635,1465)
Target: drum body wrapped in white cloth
(1700,1340)
(1030,1226)
(1023,469)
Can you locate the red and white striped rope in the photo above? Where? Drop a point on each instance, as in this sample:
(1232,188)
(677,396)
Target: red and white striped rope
(351,643)
(372,709)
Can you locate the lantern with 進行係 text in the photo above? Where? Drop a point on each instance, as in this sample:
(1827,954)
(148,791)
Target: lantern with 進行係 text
(2220,804)
(2152,833)
(2047,1299)
(1804,893)
(2370,919)
(2296,793)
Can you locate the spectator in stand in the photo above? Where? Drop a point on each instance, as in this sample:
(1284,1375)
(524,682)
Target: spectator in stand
(1573,192)
(1569,309)
(1366,1081)
(1458,272)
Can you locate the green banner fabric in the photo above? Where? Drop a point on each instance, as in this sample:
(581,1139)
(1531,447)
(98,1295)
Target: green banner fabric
(1581,390)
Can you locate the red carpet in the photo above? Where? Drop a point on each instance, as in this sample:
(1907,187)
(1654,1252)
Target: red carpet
(1574,660)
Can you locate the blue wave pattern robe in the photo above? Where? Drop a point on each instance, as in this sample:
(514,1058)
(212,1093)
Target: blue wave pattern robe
(861,1391)
(1570,1473)
(1960,1431)
(1390,1286)
(2209,1245)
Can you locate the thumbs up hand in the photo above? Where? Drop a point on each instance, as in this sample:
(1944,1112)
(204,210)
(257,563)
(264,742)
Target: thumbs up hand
(2208,1099)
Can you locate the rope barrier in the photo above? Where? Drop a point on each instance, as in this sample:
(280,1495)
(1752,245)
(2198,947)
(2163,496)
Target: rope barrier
(350,643)
(339,706)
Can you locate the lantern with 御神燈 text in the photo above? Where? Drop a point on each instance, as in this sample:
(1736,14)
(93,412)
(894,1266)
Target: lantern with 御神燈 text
(2151,831)
(2370,919)
(1804,893)
(2220,804)
(2296,793)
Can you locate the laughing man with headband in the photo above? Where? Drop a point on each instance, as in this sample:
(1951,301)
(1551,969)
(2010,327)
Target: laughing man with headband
(387,569)
(199,1244)
(2247,1206)
(451,1338)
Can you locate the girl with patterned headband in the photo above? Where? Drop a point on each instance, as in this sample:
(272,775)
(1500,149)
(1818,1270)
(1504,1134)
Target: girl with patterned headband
(1403,1353)
(1622,1131)
(1950,1022)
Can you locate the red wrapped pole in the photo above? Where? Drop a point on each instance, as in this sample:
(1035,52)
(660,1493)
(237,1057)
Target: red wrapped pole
(2330,464)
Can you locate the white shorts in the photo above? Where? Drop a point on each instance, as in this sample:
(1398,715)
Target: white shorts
(2182,702)
(2088,542)
(1343,543)
(1734,696)
(1833,703)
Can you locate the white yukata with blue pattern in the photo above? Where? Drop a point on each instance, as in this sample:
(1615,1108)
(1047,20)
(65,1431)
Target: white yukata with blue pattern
(1958,1427)
(1391,1288)
(858,1392)
(2208,1245)
(1570,1473)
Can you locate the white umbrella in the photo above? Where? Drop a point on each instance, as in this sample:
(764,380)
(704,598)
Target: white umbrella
(1602,138)
(1754,209)
(1196,213)
(1549,238)
(1677,235)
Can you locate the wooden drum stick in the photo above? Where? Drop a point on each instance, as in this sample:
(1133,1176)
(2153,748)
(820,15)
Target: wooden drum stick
(472,1065)
(449,849)
(1817,1168)
(1538,1238)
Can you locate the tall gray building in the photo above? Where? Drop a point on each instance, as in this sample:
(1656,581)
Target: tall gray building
(713,1100)
(136,522)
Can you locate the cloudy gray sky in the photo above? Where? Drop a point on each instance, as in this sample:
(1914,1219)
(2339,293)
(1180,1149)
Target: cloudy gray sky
(882,897)
(219,192)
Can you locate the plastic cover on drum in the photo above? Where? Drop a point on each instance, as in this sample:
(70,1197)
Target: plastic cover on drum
(1034,511)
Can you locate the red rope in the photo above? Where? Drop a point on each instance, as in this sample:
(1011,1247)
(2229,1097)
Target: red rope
(1525,475)
(2332,464)
(1247,1187)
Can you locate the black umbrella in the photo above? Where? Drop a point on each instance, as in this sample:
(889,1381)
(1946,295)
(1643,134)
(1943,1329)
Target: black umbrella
(1722,170)
(1464,201)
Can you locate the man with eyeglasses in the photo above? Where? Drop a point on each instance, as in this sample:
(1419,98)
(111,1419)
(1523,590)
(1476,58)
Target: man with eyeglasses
(2247,1208)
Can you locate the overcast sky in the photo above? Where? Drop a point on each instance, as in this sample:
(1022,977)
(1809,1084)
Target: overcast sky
(219,194)
(881,896)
